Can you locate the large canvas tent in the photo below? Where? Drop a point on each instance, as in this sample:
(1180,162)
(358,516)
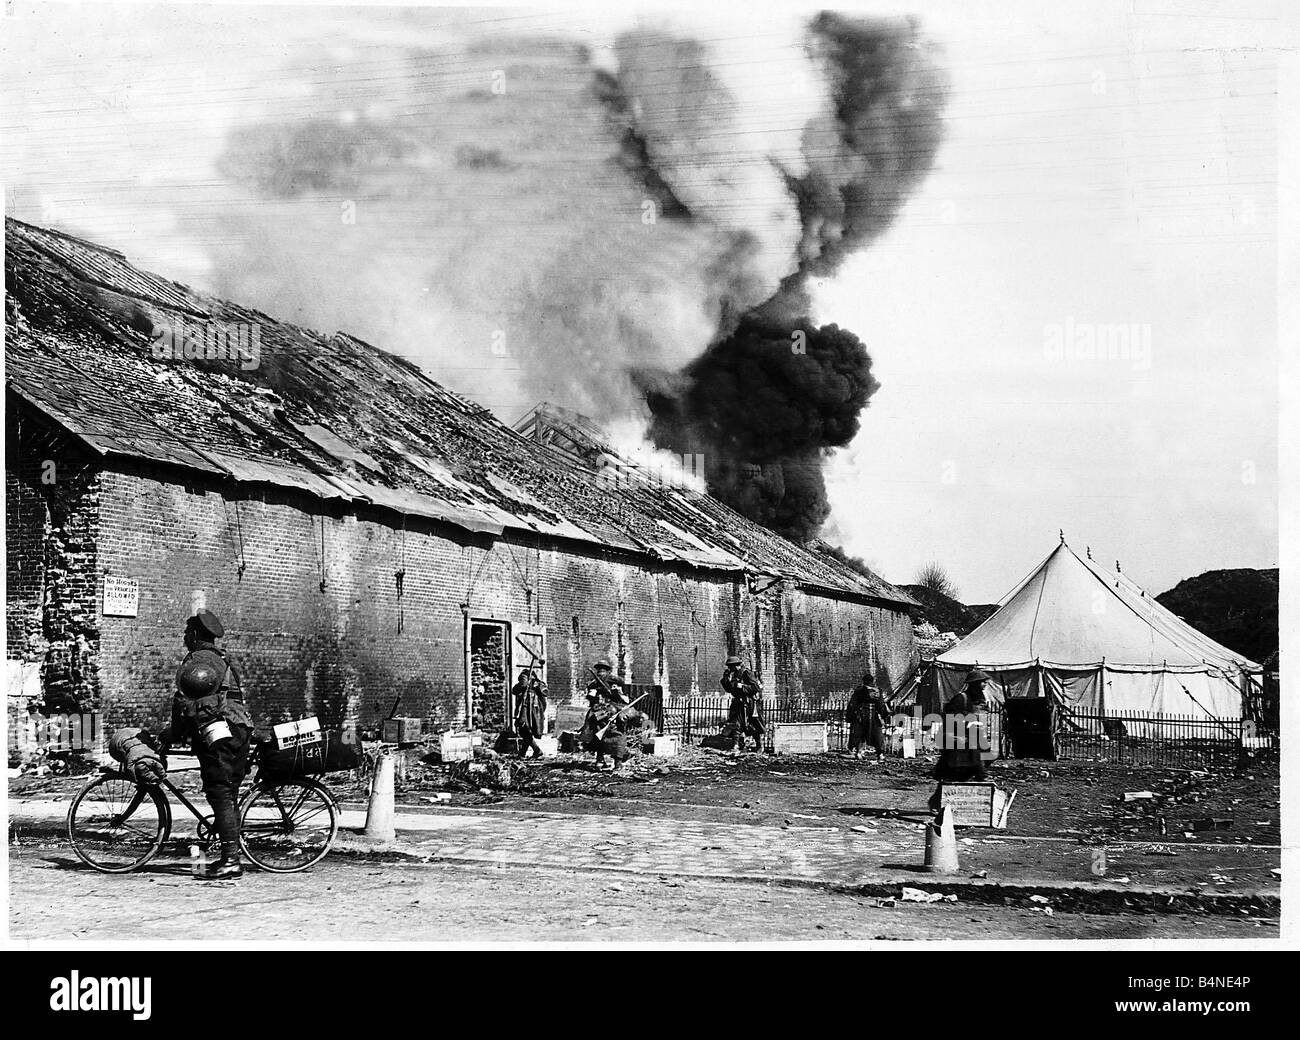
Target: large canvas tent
(1094,641)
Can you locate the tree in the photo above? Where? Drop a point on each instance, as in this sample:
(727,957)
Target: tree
(934,576)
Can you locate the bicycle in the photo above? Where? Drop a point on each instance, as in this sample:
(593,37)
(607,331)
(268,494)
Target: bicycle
(117,824)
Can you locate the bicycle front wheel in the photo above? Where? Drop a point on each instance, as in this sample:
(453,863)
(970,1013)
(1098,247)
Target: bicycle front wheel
(117,825)
(288,826)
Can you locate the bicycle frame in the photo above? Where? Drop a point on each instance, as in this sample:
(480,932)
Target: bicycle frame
(206,832)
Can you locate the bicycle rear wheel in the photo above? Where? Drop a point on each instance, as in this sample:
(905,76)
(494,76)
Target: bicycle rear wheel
(288,826)
(117,825)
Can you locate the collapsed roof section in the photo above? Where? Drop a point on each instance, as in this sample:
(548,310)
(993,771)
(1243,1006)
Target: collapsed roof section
(136,366)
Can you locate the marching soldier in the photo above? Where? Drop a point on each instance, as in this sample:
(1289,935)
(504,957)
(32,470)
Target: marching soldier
(208,710)
(746,693)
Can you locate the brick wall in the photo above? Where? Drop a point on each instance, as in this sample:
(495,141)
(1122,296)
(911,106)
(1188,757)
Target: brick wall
(51,518)
(318,621)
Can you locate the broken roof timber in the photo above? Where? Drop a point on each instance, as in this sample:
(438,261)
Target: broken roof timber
(342,421)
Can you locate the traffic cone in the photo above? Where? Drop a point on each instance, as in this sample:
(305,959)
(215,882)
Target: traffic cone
(380,812)
(941,844)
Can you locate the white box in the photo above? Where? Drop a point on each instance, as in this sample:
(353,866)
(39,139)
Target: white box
(301,731)
(663,747)
(457,747)
(799,738)
(909,747)
(550,746)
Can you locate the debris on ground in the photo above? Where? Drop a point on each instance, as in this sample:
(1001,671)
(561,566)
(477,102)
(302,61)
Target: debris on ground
(916,895)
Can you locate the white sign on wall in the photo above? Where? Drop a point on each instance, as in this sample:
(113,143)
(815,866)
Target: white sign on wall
(121,597)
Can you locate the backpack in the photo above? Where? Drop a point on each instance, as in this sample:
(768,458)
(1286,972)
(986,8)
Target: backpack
(208,714)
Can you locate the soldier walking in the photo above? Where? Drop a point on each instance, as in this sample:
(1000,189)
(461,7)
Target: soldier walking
(529,695)
(746,695)
(865,714)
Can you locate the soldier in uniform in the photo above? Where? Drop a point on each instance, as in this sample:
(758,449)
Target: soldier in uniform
(529,695)
(605,697)
(746,692)
(865,714)
(961,756)
(208,710)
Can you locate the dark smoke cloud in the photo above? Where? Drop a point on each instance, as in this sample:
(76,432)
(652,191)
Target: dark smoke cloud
(442,191)
(763,415)
(765,409)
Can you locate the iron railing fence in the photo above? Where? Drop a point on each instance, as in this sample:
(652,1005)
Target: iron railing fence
(1128,738)
(691,719)
(1159,739)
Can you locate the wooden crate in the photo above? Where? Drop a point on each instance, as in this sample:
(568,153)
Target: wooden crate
(402,731)
(799,738)
(569,718)
(981,804)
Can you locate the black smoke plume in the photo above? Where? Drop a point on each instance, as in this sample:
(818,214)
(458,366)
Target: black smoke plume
(765,405)
(764,414)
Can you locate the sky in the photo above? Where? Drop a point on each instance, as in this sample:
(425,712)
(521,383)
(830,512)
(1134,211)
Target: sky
(1107,176)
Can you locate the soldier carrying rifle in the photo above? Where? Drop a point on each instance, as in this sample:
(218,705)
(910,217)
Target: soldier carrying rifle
(605,703)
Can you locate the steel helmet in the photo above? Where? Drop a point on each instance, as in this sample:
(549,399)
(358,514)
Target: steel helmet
(199,678)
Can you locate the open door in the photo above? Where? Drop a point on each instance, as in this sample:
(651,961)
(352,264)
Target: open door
(1030,727)
(528,647)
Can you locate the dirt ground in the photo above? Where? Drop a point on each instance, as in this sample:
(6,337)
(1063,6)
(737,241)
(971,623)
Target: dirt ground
(1064,799)
(357,899)
(1081,800)
(1062,814)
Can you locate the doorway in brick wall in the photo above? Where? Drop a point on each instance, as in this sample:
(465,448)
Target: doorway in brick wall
(496,653)
(487,649)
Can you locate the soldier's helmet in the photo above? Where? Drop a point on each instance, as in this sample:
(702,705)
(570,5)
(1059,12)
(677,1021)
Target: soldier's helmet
(975,675)
(733,661)
(604,664)
(199,679)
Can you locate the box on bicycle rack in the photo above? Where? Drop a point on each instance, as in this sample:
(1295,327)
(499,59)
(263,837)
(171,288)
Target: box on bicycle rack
(301,731)
(330,753)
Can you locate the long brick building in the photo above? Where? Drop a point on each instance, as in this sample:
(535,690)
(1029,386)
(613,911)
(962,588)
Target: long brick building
(364,533)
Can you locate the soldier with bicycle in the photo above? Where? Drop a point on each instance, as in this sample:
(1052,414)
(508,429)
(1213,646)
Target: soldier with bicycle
(209,711)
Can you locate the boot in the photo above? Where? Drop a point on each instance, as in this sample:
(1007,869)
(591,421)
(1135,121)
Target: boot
(228,867)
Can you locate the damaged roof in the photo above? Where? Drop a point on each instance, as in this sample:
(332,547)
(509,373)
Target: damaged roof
(335,418)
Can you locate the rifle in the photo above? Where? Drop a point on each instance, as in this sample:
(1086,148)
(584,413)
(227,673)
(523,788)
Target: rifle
(603,685)
(600,734)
